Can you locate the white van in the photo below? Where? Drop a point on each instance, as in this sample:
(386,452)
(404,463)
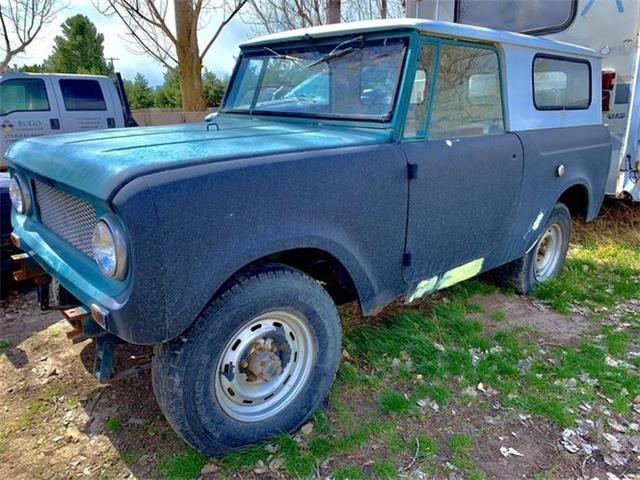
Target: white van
(33,105)
(611,28)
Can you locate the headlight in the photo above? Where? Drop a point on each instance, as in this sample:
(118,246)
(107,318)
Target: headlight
(109,247)
(19,195)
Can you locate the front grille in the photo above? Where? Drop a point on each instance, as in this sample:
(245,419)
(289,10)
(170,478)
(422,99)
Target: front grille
(69,217)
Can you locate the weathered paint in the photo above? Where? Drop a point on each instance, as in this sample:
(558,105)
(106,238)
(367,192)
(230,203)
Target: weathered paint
(461,273)
(423,288)
(537,222)
(447,279)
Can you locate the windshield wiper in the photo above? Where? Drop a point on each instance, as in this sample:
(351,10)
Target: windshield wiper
(285,57)
(336,52)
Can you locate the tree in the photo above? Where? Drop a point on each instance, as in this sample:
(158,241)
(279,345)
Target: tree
(214,88)
(21,21)
(79,49)
(278,15)
(139,92)
(169,94)
(177,49)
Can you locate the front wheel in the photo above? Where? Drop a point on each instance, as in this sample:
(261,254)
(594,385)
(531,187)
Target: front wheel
(258,361)
(545,259)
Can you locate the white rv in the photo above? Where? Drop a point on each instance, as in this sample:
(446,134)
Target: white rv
(33,105)
(608,26)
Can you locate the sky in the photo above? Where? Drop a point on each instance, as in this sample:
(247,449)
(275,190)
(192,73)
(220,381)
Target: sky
(220,58)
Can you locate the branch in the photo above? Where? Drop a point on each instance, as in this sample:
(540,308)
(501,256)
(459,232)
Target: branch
(223,24)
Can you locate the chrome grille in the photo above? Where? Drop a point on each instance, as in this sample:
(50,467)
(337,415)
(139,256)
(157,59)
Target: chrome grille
(69,217)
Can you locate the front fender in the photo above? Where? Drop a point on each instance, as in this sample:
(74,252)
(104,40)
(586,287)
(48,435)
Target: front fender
(212,220)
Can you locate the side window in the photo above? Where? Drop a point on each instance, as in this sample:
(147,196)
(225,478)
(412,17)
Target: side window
(561,83)
(82,95)
(23,95)
(467,99)
(416,120)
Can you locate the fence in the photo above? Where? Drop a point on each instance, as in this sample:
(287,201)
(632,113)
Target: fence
(167,116)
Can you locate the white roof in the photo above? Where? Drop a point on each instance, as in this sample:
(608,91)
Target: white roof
(6,75)
(445,29)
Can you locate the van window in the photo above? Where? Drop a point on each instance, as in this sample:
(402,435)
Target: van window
(561,83)
(416,120)
(467,100)
(530,16)
(23,95)
(79,95)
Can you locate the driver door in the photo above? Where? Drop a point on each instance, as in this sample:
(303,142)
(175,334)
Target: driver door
(468,169)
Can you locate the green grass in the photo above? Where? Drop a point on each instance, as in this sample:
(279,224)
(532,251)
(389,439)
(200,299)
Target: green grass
(499,316)
(425,446)
(394,402)
(185,465)
(384,469)
(598,274)
(113,425)
(349,473)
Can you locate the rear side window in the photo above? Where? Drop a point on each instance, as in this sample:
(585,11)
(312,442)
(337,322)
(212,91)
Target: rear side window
(23,95)
(81,95)
(467,97)
(561,83)
(530,16)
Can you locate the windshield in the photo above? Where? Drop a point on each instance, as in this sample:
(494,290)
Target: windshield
(353,79)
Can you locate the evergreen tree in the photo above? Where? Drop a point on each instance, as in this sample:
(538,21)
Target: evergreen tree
(214,88)
(79,49)
(139,92)
(168,95)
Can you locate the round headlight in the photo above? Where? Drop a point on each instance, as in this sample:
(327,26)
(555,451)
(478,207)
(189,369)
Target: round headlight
(109,249)
(19,195)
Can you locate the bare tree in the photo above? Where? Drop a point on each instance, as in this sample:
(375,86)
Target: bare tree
(334,11)
(21,22)
(278,15)
(176,46)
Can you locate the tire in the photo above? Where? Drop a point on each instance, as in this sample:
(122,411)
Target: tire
(301,325)
(528,271)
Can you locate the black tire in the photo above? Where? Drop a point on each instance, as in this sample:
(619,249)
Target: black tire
(521,273)
(185,369)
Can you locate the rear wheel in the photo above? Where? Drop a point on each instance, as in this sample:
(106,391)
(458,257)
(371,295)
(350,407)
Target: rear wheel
(545,260)
(258,361)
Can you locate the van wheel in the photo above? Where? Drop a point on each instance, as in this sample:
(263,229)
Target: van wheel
(545,260)
(258,361)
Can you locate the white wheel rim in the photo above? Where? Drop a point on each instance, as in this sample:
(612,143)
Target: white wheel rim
(548,252)
(265,365)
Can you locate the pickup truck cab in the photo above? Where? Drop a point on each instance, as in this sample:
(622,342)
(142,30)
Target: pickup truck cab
(34,105)
(356,162)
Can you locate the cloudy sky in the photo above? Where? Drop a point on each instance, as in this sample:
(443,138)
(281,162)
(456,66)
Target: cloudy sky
(220,59)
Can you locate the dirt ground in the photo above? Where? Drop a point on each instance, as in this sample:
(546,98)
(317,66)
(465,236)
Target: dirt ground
(57,421)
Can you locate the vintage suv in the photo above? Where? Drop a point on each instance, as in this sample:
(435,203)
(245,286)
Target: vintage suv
(363,161)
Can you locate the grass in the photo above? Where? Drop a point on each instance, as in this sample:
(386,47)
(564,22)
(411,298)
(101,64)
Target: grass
(394,402)
(184,465)
(4,345)
(113,425)
(603,268)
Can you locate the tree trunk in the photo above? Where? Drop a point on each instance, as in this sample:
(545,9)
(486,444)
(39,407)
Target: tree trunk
(384,10)
(188,52)
(333,11)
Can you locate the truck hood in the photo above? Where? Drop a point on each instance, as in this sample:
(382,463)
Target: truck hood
(99,162)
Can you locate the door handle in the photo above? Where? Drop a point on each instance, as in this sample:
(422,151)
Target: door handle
(55,123)
(111,122)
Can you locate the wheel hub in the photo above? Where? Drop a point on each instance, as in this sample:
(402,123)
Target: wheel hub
(548,252)
(262,363)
